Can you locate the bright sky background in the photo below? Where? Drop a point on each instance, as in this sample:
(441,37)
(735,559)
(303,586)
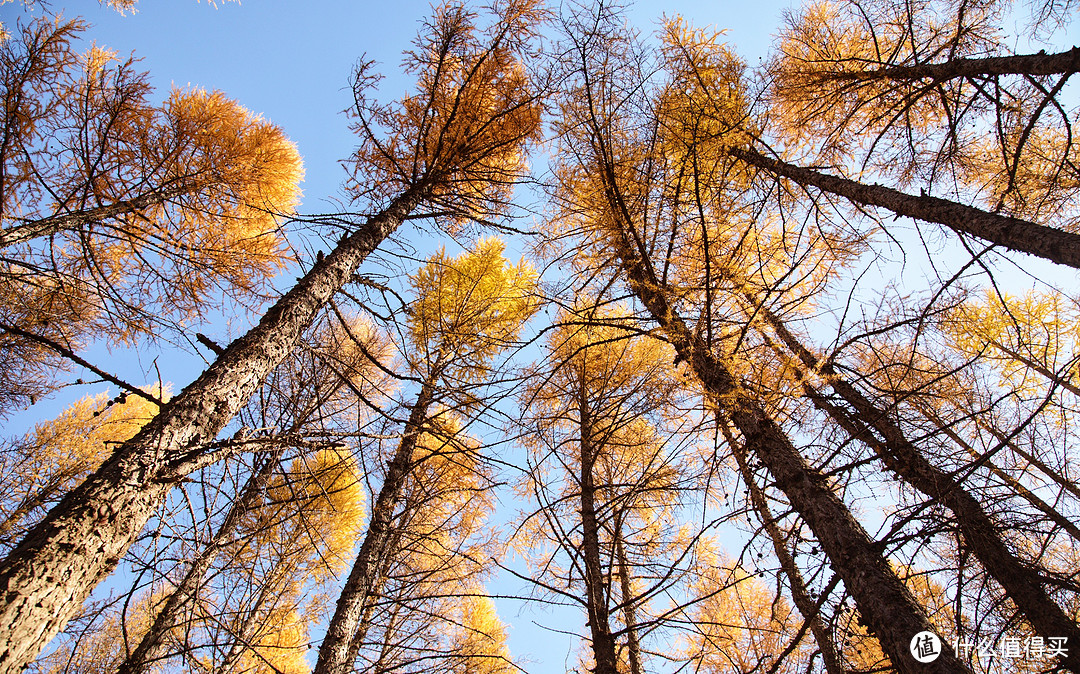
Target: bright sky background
(291,62)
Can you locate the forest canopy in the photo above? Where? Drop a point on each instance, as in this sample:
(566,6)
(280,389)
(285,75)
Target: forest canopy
(610,336)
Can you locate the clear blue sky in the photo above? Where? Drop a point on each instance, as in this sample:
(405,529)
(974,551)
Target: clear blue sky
(291,62)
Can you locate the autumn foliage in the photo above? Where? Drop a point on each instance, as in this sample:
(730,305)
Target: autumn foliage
(782,372)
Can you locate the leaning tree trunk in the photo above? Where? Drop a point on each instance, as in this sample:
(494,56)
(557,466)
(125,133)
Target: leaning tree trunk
(343,639)
(45,579)
(1052,244)
(888,607)
(1061,63)
(1022,583)
(809,609)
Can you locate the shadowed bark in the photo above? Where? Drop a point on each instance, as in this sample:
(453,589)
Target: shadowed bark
(1061,63)
(1051,244)
(872,425)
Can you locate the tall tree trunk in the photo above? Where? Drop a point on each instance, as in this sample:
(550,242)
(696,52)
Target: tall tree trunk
(343,639)
(1022,583)
(1048,243)
(633,646)
(150,646)
(799,594)
(44,580)
(603,642)
(888,607)
(1061,63)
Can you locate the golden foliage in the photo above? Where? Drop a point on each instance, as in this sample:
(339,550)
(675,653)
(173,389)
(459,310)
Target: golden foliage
(1032,340)
(312,516)
(826,92)
(462,134)
(121,215)
(469,308)
(105,647)
(479,638)
(54,457)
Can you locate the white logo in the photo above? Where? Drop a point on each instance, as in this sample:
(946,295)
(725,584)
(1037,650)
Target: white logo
(925,647)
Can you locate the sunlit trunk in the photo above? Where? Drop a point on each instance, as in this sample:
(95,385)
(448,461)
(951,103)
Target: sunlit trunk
(344,637)
(44,580)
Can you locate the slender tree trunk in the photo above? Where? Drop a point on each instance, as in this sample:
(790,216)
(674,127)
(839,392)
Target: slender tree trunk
(1053,377)
(799,594)
(149,647)
(633,646)
(340,646)
(44,580)
(888,607)
(603,642)
(1055,475)
(1048,243)
(1022,583)
(1061,63)
(1042,506)
(58,222)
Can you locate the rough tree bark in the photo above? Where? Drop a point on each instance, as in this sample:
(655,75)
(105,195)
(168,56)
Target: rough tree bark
(887,606)
(633,644)
(799,594)
(44,580)
(1061,63)
(1022,583)
(1051,244)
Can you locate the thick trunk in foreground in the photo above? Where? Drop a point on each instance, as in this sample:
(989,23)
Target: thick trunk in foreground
(343,637)
(886,605)
(1051,244)
(45,579)
(872,425)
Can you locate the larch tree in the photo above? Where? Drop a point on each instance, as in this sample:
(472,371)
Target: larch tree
(118,215)
(874,88)
(616,176)
(466,310)
(419,614)
(313,405)
(606,481)
(457,144)
(666,193)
